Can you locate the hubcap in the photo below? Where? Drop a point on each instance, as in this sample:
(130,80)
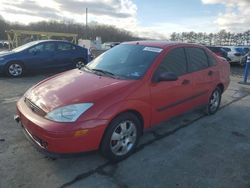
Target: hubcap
(215,100)
(123,138)
(79,64)
(15,70)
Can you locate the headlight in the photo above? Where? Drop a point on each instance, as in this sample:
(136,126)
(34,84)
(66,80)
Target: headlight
(68,113)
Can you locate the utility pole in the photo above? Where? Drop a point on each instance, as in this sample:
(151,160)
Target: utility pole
(86,23)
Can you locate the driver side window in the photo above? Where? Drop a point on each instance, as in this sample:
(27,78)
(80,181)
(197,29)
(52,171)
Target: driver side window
(175,61)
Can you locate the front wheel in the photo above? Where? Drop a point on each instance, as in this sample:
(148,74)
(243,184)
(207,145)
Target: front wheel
(121,137)
(214,101)
(14,69)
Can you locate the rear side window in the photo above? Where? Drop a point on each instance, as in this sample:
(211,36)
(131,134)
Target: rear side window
(175,61)
(64,47)
(49,47)
(197,59)
(211,59)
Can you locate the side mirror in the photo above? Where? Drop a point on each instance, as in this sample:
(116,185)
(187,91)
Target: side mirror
(166,76)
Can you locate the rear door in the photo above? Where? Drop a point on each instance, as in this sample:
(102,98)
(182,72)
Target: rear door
(202,73)
(171,98)
(64,55)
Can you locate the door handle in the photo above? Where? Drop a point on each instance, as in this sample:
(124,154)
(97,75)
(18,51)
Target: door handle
(210,73)
(185,82)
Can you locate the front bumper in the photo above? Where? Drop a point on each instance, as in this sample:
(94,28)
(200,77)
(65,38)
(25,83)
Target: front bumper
(59,138)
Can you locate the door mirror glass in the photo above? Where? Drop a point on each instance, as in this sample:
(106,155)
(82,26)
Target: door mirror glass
(166,76)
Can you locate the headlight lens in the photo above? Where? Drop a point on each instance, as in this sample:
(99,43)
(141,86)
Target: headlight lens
(68,113)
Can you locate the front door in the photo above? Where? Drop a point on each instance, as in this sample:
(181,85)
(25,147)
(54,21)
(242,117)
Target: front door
(171,98)
(40,56)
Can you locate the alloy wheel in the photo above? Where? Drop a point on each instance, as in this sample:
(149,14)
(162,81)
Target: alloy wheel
(79,64)
(15,70)
(123,138)
(214,100)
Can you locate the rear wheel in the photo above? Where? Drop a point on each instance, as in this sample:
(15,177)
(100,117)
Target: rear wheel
(121,137)
(14,69)
(214,101)
(79,63)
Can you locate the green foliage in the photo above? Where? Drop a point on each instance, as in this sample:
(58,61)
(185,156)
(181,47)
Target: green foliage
(106,32)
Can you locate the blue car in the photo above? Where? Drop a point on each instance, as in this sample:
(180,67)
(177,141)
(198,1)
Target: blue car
(42,55)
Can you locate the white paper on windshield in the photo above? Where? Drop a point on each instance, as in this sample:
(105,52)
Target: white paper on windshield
(152,49)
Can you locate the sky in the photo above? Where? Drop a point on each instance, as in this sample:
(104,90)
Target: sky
(145,18)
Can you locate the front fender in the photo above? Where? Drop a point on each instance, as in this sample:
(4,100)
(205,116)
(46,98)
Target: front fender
(141,107)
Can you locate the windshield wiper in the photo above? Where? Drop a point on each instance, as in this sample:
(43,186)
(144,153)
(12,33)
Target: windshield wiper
(100,72)
(106,73)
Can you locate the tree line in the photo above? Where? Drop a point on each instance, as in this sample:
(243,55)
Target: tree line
(110,33)
(106,32)
(222,38)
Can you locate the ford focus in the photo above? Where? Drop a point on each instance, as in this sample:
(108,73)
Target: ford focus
(109,103)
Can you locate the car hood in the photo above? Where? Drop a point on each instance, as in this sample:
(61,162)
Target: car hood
(6,53)
(72,87)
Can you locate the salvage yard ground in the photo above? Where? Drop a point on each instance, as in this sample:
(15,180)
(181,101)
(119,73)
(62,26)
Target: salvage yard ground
(193,150)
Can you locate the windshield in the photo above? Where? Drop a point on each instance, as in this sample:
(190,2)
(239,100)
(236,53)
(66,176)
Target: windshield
(25,46)
(126,61)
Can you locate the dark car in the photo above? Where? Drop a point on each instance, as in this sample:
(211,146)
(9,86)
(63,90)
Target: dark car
(42,55)
(218,51)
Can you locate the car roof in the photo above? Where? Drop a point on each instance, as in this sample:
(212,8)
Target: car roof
(161,44)
(51,40)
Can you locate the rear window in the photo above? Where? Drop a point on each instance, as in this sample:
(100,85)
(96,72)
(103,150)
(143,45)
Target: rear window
(65,47)
(211,59)
(197,59)
(175,62)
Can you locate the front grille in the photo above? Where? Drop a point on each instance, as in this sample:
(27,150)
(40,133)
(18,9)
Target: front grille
(34,107)
(37,140)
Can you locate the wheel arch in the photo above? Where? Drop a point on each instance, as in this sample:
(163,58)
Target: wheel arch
(132,111)
(14,61)
(221,86)
(80,58)
(5,68)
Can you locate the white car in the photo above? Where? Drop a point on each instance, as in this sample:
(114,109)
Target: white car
(235,54)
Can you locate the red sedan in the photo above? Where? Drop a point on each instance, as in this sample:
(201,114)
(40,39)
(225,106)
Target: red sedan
(110,102)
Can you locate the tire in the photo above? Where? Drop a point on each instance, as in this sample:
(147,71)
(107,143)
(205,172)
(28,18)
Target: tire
(79,63)
(121,137)
(14,69)
(214,101)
